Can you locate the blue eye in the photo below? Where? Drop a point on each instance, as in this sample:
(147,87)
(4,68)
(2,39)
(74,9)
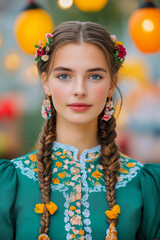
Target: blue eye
(63,76)
(95,77)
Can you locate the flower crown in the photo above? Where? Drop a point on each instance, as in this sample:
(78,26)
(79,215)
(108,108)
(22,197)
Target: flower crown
(43,49)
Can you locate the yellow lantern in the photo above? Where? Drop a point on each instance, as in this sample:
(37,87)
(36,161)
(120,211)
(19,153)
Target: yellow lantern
(31,26)
(144,28)
(90,5)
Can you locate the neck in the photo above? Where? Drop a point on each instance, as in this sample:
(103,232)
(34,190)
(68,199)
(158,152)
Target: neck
(82,136)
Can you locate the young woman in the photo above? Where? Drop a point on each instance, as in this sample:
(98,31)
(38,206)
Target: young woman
(77,185)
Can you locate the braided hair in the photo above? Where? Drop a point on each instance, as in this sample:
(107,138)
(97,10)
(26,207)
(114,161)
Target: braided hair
(79,32)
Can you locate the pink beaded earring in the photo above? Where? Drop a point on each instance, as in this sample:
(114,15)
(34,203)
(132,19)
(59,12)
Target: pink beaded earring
(46,109)
(109,110)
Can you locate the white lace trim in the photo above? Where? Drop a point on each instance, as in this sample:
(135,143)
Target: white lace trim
(84,200)
(25,170)
(57,145)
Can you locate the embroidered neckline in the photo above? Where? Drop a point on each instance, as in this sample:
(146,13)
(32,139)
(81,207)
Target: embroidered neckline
(75,150)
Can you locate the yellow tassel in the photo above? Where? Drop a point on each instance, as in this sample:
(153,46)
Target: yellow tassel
(112,232)
(51,207)
(113,214)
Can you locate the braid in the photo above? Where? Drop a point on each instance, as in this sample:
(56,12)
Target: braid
(44,164)
(109,158)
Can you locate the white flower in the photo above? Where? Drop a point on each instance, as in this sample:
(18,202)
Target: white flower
(45,57)
(65,166)
(27,162)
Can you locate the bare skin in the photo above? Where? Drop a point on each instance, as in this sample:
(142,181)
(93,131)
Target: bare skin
(80,74)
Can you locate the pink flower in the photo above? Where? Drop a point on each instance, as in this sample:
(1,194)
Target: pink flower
(106,117)
(48,35)
(122,51)
(40,52)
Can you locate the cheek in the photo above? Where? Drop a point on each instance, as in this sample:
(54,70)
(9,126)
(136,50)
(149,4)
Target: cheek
(58,93)
(100,93)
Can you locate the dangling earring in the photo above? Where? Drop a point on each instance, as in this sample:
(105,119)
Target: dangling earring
(109,110)
(46,109)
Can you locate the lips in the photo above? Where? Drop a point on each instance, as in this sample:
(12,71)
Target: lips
(79,105)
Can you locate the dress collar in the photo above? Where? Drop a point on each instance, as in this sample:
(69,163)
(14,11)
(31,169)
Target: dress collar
(87,154)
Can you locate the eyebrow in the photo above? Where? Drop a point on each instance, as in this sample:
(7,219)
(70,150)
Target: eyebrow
(88,70)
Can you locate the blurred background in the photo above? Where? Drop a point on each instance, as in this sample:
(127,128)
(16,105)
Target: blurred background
(23,23)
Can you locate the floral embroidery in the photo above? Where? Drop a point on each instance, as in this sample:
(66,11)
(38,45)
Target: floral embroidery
(76,179)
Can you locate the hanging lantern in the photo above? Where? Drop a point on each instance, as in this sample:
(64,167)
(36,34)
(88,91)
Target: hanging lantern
(31,26)
(144,28)
(90,5)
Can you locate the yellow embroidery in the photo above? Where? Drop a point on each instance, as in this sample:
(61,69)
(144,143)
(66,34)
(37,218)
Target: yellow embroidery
(96,174)
(72,208)
(55,180)
(58,164)
(36,170)
(113,214)
(61,175)
(81,232)
(130,165)
(33,157)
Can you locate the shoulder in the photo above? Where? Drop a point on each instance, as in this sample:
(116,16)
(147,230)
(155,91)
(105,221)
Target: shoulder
(127,164)
(129,170)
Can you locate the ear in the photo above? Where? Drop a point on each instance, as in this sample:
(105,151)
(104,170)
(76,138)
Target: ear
(45,84)
(112,86)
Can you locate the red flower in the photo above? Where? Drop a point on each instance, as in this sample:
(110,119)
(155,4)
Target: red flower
(122,51)
(40,52)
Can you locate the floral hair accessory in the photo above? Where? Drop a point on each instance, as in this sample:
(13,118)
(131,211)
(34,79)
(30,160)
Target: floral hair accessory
(43,48)
(120,51)
(113,214)
(51,207)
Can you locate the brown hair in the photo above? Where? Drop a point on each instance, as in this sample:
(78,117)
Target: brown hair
(78,32)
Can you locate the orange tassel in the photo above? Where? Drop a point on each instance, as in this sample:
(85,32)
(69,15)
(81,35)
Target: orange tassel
(112,232)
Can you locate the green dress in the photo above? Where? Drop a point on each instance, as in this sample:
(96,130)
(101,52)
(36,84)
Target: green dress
(78,190)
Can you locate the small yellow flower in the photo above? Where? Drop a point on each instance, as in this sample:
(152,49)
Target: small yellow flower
(62,156)
(113,214)
(97,184)
(119,43)
(96,174)
(73,236)
(125,171)
(51,207)
(39,208)
(36,170)
(55,180)
(72,208)
(61,175)
(81,232)
(41,43)
(67,183)
(33,157)
(58,164)
(130,165)
(120,169)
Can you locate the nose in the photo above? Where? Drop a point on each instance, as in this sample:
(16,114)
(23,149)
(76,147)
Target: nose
(79,89)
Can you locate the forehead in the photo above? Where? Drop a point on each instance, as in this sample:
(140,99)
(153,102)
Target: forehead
(80,55)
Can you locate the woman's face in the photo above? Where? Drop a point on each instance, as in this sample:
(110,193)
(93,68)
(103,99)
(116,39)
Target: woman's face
(79,75)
